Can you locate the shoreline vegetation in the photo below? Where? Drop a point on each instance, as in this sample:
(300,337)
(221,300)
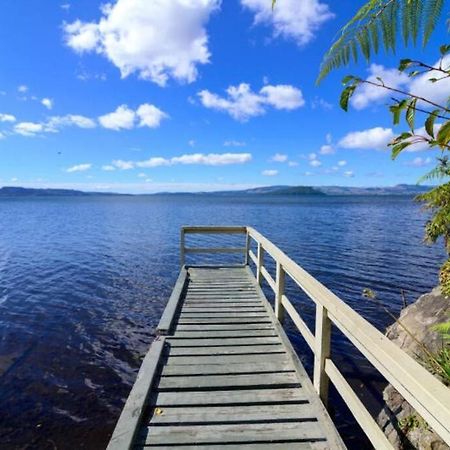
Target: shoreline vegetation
(400,189)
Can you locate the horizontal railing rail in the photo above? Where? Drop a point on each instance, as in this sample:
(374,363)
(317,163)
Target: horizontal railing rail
(427,395)
(211,250)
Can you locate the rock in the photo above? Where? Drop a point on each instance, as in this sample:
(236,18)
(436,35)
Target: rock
(404,428)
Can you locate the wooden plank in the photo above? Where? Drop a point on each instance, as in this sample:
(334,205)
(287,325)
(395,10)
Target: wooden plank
(242,340)
(359,411)
(219,314)
(212,307)
(280,358)
(224,369)
(227,414)
(227,350)
(251,446)
(214,230)
(230,397)
(211,434)
(225,320)
(224,326)
(169,312)
(127,425)
(258,381)
(223,334)
(196,250)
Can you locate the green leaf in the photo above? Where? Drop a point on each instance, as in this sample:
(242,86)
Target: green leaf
(429,123)
(411,113)
(345,96)
(347,79)
(404,64)
(444,49)
(396,149)
(443,136)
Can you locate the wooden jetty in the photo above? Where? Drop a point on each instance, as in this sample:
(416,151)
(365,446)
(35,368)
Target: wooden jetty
(222,373)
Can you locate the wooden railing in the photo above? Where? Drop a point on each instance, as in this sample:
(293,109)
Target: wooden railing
(427,395)
(210,230)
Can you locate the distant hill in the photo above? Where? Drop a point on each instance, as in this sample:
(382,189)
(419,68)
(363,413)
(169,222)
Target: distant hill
(12,191)
(275,190)
(401,189)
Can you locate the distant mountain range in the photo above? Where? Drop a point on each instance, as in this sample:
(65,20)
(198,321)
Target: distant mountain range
(400,189)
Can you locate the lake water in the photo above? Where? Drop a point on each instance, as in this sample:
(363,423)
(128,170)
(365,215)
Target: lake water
(83,282)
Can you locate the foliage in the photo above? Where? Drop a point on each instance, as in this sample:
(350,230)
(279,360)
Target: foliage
(380,21)
(438,363)
(383,20)
(412,422)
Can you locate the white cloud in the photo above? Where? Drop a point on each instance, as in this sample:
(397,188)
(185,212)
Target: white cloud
(327,150)
(142,175)
(321,103)
(420,85)
(47,102)
(2,135)
(65,6)
(349,174)
(315,163)
(367,95)
(328,138)
(108,168)
(158,39)
(342,163)
(7,118)
(79,168)
(234,144)
(312,156)
(29,128)
(123,165)
(122,118)
(279,157)
(76,120)
(419,162)
(436,92)
(53,125)
(283,96)
(269,173)
(292,163)
(211,159)
(242,103)
(292,19)
(22,89)
(191,143)
(150,116)
(374,138)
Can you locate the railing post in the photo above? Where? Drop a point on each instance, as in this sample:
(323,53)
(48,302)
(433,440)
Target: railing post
(247,248)
(182,247)
(322,352)
(260,257)
(279,309)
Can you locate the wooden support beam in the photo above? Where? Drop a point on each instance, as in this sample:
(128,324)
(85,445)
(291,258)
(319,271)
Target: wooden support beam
(322,352)
(279,292)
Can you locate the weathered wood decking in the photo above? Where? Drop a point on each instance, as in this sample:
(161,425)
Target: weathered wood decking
(227,376)
(222,374)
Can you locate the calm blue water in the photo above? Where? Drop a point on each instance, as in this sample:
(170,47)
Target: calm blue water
(83,282)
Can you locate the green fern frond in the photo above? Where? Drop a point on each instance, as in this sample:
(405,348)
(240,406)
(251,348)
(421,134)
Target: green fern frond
(433,10)
(381,21)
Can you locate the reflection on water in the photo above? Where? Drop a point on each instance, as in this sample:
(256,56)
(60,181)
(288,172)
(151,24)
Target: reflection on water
(83,282)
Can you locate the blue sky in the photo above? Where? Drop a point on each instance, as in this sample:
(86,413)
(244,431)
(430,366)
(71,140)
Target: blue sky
(188,95)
